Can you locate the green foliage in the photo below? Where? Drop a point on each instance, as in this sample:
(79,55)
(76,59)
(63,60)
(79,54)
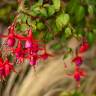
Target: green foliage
(56,46)
(56,4)
(62,20)
(51,10)
(90,38)
(80,13)
(57,19)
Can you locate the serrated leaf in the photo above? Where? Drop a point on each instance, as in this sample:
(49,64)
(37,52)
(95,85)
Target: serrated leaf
(56,4)
(62,20)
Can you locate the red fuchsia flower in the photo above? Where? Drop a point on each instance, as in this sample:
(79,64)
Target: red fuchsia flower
(11,38)
(8,67)
(77,60)
(35,48)
(29,39)
(1,69)
(33,60)
(77,75)
(45,55)
(1,61)
(84,47)
(5,68)
(19,52)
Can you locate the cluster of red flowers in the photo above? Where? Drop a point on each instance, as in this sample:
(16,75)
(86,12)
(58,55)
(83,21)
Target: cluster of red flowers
(28,48)
(78,60)
(21,47)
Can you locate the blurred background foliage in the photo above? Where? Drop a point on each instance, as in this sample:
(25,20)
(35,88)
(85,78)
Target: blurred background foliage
(53,19)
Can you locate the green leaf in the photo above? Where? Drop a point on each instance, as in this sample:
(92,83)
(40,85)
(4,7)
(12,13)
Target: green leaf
(40,25)
(56,46)
(91,38)
(56,4)
(62,20)
(43,12)
(23,18)
(54,28)
(36,5)
(65,56)
(29,21)
(68,32)
(72,6)
(18,27)
(47,36)
(51,10)
(24,27)
(80,13)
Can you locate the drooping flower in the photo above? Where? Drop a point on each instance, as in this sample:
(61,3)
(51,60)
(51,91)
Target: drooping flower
(77,75)
(19,52)
(12,36)
(5,68)
(84,47)
(78,60)
(33,60)
(8,67)
(30,39)
(45,55)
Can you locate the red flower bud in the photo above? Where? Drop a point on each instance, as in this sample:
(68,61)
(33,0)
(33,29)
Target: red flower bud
(11,42)
(84,47)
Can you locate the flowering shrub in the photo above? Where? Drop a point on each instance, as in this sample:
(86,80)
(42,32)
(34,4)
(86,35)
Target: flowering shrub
(38,22)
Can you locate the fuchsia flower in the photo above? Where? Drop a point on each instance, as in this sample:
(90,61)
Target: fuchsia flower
(84,47)
(19,52)
(77,75)
(8,67)
(77,60)
(29,39)
(33,60)
(5,68)
(11,38)
(45,55)
(31,50)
